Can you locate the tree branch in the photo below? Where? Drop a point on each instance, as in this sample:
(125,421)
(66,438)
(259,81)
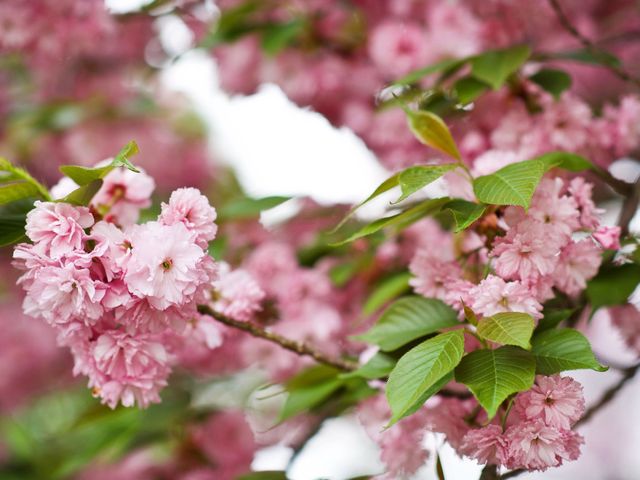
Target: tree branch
(299,348)
(629,209)
(618,70)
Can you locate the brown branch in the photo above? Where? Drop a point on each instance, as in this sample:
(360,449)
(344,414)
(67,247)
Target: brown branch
(609,394)
(618,70)
(629,208)
(294,346)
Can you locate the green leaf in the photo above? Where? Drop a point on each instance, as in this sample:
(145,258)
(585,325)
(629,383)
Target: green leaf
(250,207)
(508,328)
(400,220)
(414,179)
(464,213)
(11,192)
(277,36)
(442,66)
(552,80)
(563,349)
(511,185)
(13,218)
(494,67)
(21,183)
(385,186)
(515,184)
(82,196)
(308,389)
(420,369)
(386,290)
(407,319)
(264,475)
(379,366)
(85,175)
(122,158)
(431,130)
(596,57)
(467,89)
(493,375)
(613,285)
(552,318)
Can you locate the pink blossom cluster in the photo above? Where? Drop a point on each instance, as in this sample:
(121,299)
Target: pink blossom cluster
(358,48)
(537,434)
(115,293)
(557,244)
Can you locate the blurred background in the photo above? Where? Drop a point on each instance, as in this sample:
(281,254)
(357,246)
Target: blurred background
(217,103)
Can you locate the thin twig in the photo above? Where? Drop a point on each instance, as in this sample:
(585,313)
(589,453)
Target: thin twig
(629,209)
(610,394)
(294,346)
(618,70)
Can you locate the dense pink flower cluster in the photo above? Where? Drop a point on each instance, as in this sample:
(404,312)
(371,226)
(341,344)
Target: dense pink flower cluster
(114,292)
(358,48)
(536,436)
(538,251)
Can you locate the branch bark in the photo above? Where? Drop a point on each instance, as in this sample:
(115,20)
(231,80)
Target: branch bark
(299,348)
(629,209)
(618,70)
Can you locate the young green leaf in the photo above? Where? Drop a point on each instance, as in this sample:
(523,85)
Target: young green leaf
(123,156)
(250,207)
(464,213)
(442,66)
(613,285)
(563,349)
(414,179)
(85,175)
(308,389)
(596,57)
(264,475)
(13,218)
(379,366)
(467,89)
(511,185)
(407,319)
(493,375)
(515,184)
(508,328)
(420,369)
(431,130)
(11,192)
(386,290)
(23,184)
(552,318)
(494,67)
(400,220)
(82,196)
(385,186)
(552,80)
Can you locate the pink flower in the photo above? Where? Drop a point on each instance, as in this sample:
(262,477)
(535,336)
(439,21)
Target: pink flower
(62,293)
(114,245)
(432,274)
(578,262)
(58,227)
(536,446)
(398,48)
(448,417)
(494,295)
(528,251)
(608,237)
(165,265)
(190,207)
(551,207)
(122,196)
(128,369)
(557,401)
(581,192)
(486,445)
(236,293)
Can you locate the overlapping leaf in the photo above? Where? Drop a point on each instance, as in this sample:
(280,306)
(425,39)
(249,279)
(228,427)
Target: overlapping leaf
(563,349)
(508,328)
